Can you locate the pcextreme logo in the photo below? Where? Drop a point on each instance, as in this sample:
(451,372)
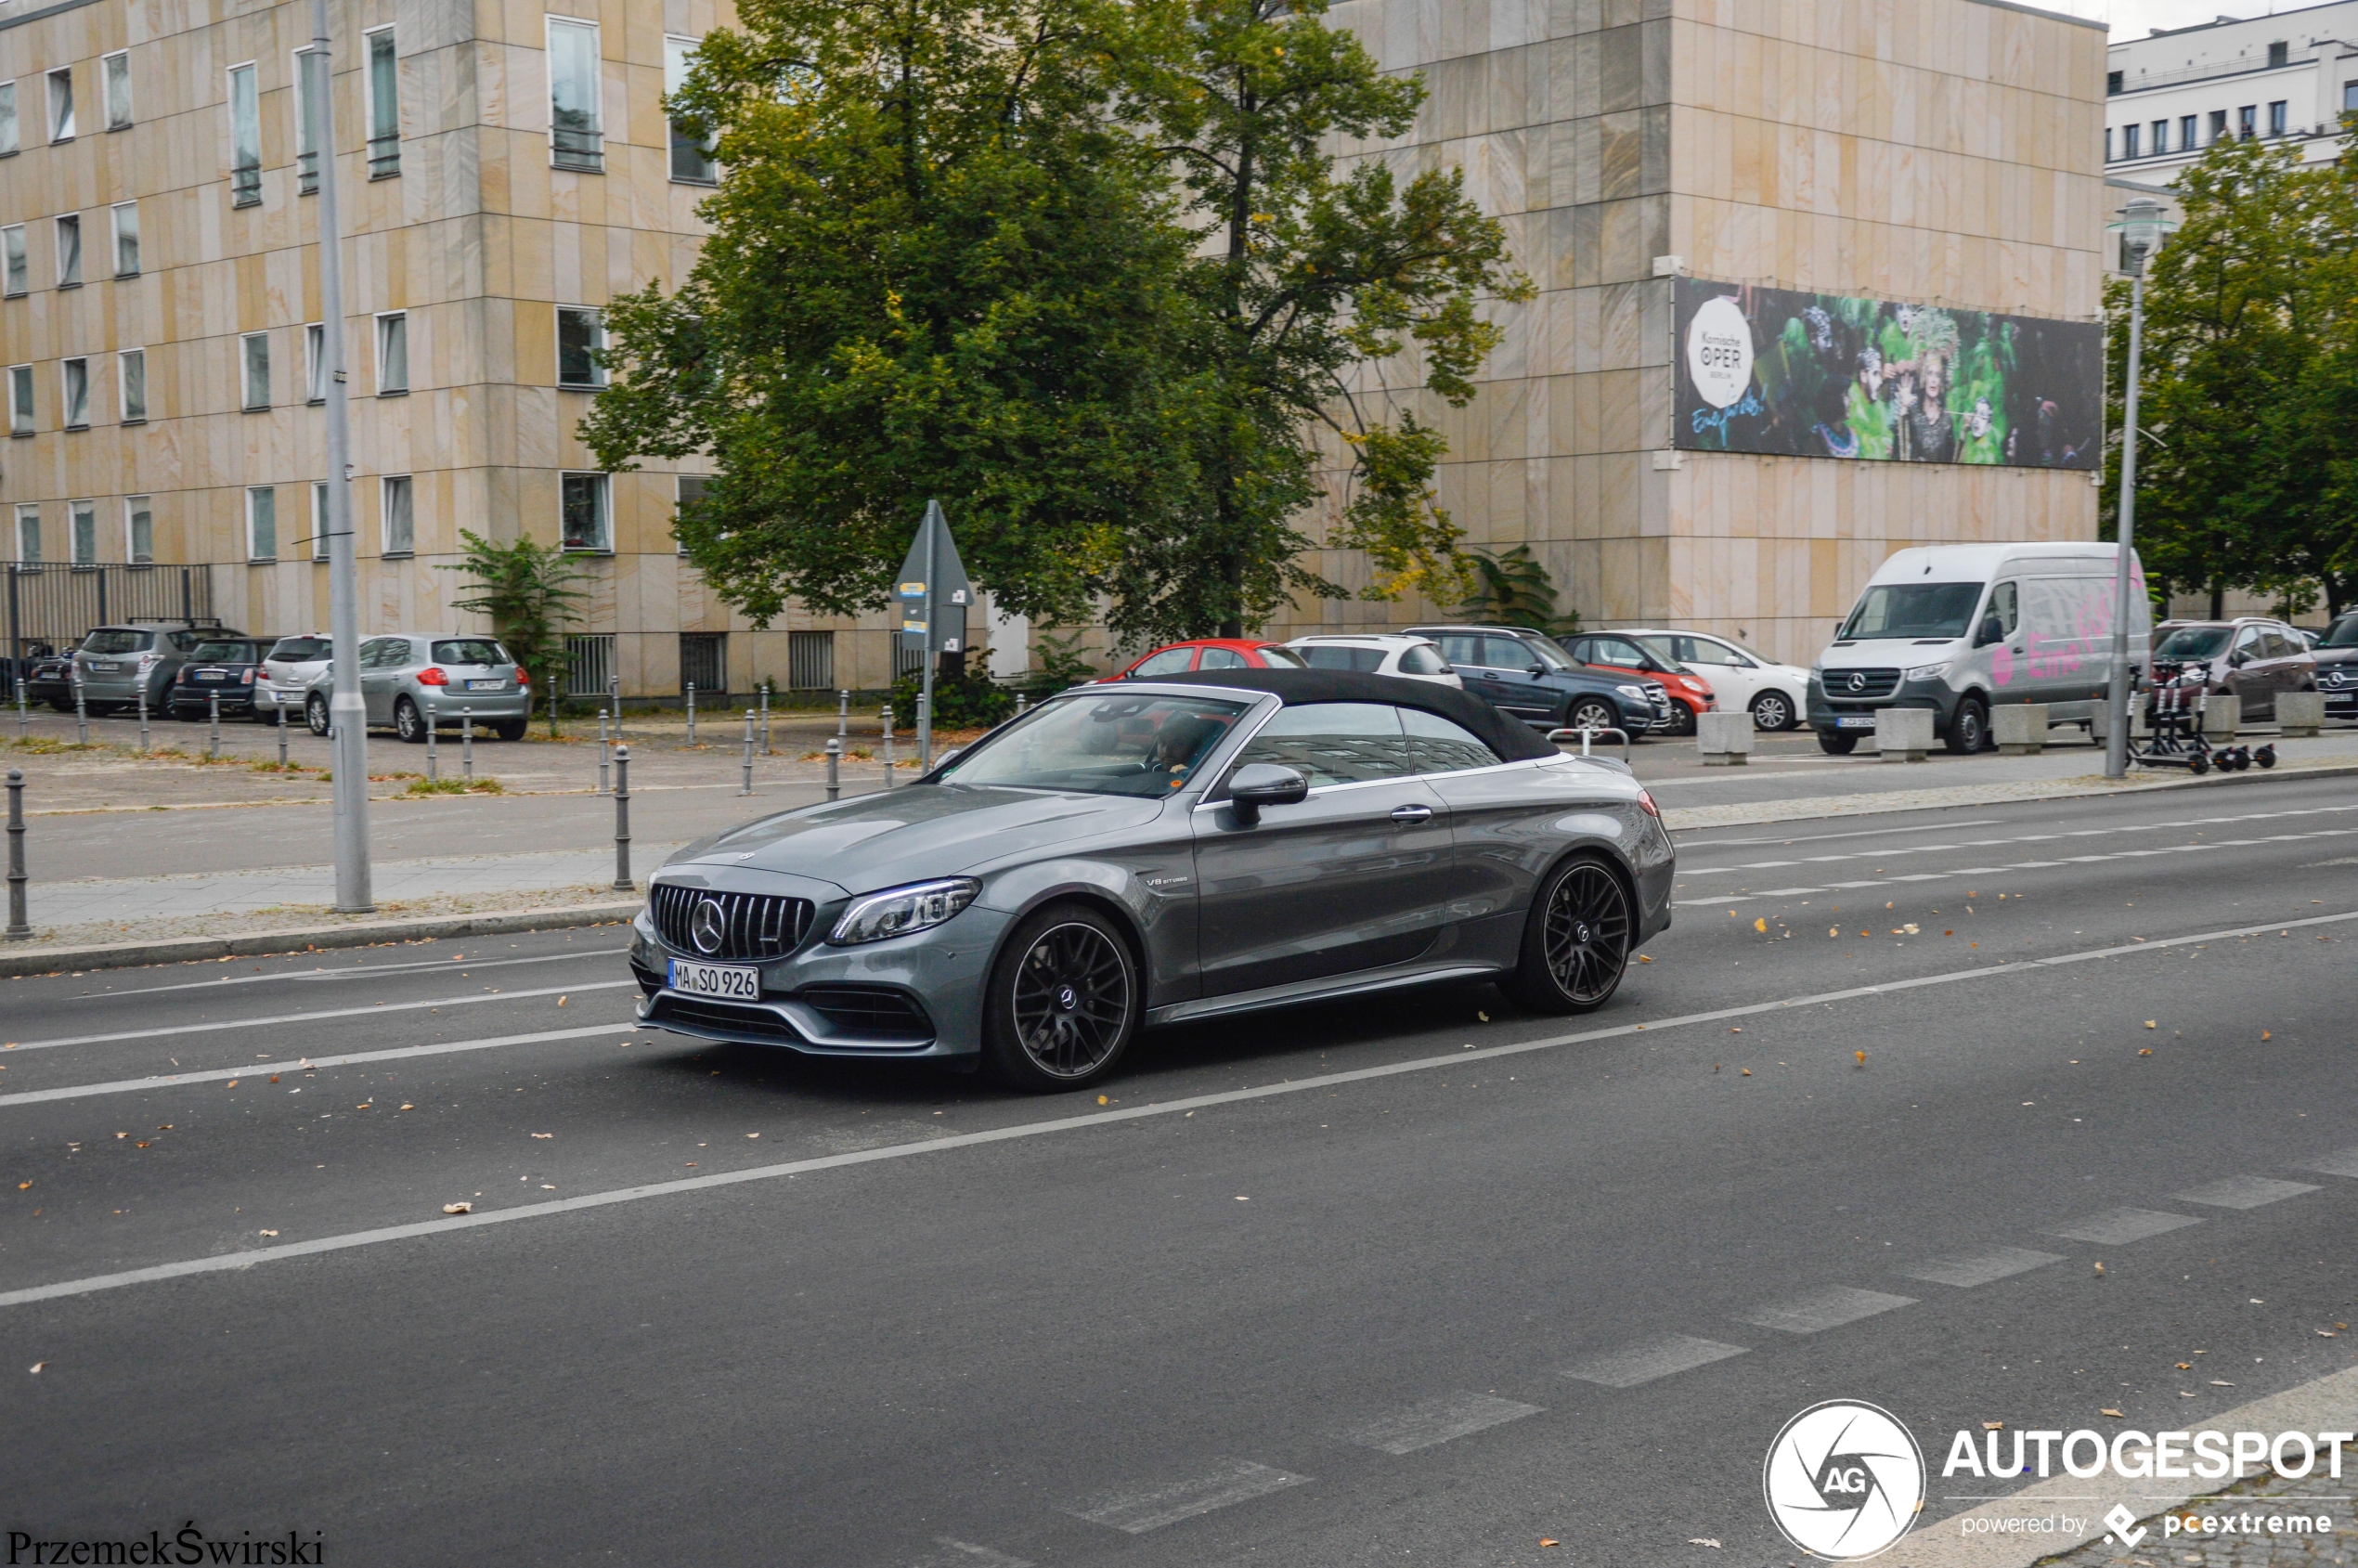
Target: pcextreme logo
(1844,1480)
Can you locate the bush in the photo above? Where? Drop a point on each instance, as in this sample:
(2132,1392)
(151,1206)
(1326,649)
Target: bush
(968,700)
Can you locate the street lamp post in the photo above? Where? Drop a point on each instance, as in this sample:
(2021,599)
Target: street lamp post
(2141,229)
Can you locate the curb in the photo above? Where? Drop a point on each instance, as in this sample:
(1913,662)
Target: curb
(185,950)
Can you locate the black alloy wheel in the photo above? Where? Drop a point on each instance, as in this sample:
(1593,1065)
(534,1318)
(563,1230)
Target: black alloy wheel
(1772,710)
(1592,713)
(1682,718)
(314,713)
(1575,945)
(409,723)
(1064,1002)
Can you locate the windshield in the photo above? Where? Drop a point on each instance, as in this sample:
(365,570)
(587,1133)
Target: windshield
(2195,643)
(115,641)
(1367,661)
(1282,658)
(1111,745)
(469,650)
(301,650)
(1547,652)
(224,653)
(1925,610)
(2344,635)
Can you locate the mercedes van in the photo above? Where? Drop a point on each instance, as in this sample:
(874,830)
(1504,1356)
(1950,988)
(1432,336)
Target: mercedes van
(1963,629)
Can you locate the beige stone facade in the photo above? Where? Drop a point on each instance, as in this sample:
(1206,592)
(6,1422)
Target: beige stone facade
(468,229)
(1934,151)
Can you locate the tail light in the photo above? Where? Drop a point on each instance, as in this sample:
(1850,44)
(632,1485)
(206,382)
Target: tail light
(432,676)
(246,680)
(1646,803)
(523,677)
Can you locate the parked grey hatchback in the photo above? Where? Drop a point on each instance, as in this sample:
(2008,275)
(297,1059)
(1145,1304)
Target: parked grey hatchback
(410,681)
(114,663)
(1158,852)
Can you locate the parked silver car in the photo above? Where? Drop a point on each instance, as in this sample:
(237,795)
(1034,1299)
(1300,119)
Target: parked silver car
(410,681)
(115,663)
(289,669)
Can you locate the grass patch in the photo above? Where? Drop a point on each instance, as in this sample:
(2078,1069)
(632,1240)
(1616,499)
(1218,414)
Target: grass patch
(455,786)
(48,745)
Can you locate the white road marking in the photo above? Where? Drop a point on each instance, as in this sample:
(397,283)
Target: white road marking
(1819,837)
(1827,1308)
(2242,1192)
(1134,1513)
(1656,1358)
(1981,1266)
(2018,865)
(312,1017)
(1087,1120)
(364,972)
(263,1070)
(2344,1164)
(1438,1421)
(2117,1227)
(2020,838)
(965,1554)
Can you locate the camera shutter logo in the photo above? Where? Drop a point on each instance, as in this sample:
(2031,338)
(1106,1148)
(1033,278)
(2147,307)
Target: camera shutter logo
(1719,352)
(706,927)
(1844,1480)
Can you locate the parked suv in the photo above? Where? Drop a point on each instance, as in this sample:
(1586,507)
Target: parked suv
(223,666)
(2336,656)
(410,681)
(1410,658)
(116,663)
(1524,673)
(1622,653)
(2250,657)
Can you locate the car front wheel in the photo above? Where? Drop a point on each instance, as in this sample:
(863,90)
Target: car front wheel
(1576,944)
(1772,710)
(1969,731)
(1064,1002)
(314,713)
(1837,743)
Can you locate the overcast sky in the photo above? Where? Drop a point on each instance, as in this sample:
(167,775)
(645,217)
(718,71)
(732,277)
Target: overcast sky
(2134,19)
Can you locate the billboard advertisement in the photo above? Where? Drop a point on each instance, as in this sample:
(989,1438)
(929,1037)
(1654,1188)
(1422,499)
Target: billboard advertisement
(1790,374)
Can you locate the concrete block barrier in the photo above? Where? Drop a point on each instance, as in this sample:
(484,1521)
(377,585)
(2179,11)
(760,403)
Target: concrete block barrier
(1903,735)
(2021,729)
(1724,739)
(2300,713)
(2222,717)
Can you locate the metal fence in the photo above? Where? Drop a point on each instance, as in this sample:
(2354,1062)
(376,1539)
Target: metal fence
(703,661)
(589,665)
(811,661)
(56,605)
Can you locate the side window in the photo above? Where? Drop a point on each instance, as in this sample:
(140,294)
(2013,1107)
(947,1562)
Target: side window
(1223,658)
(1439,746)
(2274,644)
(1702,650)
(1619,651)
(1507,652)
(1421,661)
(2248,642)
(1170,661)
(1459,647)
(1367,661)
(1584,649)
(1332,743)
(1998,620)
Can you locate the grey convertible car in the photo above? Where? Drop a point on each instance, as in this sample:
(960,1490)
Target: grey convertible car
(1155,852)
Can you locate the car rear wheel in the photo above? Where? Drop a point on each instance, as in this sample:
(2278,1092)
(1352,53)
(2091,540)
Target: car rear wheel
(1575,945)
(1064,1002)
(1772,710)
(314,713)
(1592,713)
(510,729)
(409,723)
(1837,743)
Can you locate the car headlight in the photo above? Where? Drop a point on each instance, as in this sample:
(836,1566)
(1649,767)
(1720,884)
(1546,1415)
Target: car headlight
(1929,671)
(1635,693)
(899,911)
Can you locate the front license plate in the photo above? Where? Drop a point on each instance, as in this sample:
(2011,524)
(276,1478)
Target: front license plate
(738,982)
(485,686)
(1856,722)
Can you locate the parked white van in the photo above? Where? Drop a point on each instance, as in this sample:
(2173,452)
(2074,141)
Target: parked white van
(1961,628)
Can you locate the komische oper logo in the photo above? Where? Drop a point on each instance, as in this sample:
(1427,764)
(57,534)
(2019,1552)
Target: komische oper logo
(1844,1480)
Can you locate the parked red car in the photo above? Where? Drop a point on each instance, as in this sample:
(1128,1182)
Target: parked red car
(1209,653)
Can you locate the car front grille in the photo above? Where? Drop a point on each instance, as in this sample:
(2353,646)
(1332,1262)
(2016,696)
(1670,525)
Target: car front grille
(875,1011)
(752,925)
(1861,685)
(724,1018)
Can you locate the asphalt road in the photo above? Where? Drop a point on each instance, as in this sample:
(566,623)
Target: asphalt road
(1398,1282)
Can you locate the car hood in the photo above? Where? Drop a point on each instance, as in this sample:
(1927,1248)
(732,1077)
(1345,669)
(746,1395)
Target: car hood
(907,835)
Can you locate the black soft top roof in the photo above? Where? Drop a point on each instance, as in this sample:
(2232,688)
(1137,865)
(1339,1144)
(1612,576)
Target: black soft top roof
(1510,738)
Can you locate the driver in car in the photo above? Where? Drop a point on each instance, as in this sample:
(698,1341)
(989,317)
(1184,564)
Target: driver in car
(1178,745)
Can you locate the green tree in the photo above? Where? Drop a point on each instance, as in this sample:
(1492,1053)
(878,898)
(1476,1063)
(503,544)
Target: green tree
(527,591)
(1512,589)
(1307,275)
(936,269)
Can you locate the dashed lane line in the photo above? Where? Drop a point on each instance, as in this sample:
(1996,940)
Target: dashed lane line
(1982,1266)
(1134,1513)
(2118,1228)
(356,972)
(1829,1307)
(1087,1120)
(1895,852)
(2242,1192)
(276,1020)
(1434,1421)
(1633,1365)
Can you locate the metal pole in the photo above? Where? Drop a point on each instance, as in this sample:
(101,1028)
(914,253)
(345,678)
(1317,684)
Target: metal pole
(605,750)
(81,716)
(213,721)
(1019,705)
(748,785)
(467,740)
(834,766)
(18,928)
(143,714)
(2117,698)
(614,698)
(765,717)
(23,718)
(691,712)
(433,758)
(348,716)
(278,707)
(622,818)
(924,683)
(887,744)
(843,711)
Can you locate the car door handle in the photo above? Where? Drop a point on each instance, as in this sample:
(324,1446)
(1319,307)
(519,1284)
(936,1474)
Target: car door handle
(1408,816)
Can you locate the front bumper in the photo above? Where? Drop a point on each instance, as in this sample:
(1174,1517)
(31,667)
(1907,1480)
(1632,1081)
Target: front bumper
(940,973)
(1824,713)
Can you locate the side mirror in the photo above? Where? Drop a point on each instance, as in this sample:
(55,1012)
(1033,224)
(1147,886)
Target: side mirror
(1538,670)
(1992,630)
(1265,784)
(2240,657)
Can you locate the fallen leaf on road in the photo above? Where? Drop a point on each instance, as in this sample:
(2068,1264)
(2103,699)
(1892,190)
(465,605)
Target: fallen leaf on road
(2185,1366)
(1761,923)
(1747,1072)
(2100,1268)
(2221,1382)
(231,1084)
(2264,1034)
(2326,1334)
(2146,1052)
(536,1134)
(1862,1057)
(408,1107)
(266,1233)
(36,1368)
(457,1208)
(1833,931)
(274,1078)
(2149,1023)
(1543,1540)
(752,1135)
(1702,1541)
(1993,1426)
(2108,1410)
(560,1001)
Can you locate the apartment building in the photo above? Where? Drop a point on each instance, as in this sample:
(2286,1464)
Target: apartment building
(503,172)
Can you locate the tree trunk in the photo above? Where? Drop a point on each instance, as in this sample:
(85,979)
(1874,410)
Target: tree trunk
(2218,603)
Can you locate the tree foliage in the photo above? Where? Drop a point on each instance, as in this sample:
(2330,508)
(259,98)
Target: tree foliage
(526,591)
(1512,589)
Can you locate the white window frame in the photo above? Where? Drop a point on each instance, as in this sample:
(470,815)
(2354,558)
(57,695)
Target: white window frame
(315,362)
(605,512)
(589,161)
(28,511)
(673,80)
(114,68)
(60,124)
(384,515)
(12,237)
(132,506)
(380,166)
(12,135)
(597,371)
(236,198)
(21,412)
(58,226)
(65,392)
(253,555)
(122,362)
(114,214)
(245,373)
(77,512)
(384,319)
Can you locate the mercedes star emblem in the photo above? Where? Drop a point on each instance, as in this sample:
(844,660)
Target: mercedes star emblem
(707,927)
(1857,682)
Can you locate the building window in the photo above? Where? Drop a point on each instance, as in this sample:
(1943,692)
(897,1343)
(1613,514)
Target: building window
(2129,141)
(28,535)
(261,523)
(20,400)
(2186,132)
(2218,124)
(131,366)
(811,661)
(69,250)
(2349,97)
(585,520)
(7,117)
(577,127)
(307,141)
(126,238)
(393,354)
(81,532)
(77,375)
(2112,82)
(254,365)
(319,520)
(138,531)
(400,516)
(61,104)
(2277,117)
(691,491)
(315,363)
(12,248)
(384,106)
(115,77)
(588,665)
(2161,137)
(581,337)
(704,661)
(2247,120)
(2108,144)
(692,161)
(245,137)
(2279,54)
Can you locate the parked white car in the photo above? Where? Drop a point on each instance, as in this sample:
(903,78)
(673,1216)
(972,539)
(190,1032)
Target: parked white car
(1412,658)
(1739,677)
(289,670)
